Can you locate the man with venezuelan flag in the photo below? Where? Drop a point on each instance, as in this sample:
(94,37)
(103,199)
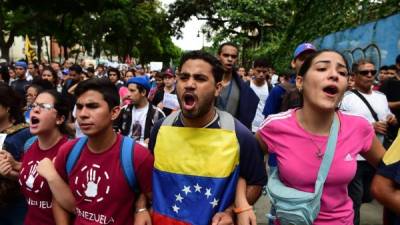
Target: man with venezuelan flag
(386,183)
(200,152)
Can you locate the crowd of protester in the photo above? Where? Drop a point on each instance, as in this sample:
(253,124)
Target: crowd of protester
(86,144)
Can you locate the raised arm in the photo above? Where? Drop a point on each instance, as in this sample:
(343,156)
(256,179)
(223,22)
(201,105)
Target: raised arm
(60,189)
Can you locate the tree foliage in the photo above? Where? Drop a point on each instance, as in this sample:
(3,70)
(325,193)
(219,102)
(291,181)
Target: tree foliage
(273,28)
(116,27)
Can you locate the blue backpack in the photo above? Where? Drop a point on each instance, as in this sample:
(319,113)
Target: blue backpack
(126,157)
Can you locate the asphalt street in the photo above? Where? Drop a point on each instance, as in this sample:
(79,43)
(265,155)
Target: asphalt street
(371,213)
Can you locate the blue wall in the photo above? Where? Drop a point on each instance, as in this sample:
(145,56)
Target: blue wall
(378,41)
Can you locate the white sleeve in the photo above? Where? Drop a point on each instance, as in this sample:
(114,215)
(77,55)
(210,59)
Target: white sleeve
(345,105)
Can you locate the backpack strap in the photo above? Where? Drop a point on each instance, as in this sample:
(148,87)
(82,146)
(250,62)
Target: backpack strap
(374,115)
(29,143)
(226,120)
(149,121)
(126,154)
(74,154)
(171,118)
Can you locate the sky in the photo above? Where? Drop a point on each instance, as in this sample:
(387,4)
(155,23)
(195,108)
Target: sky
(190,41)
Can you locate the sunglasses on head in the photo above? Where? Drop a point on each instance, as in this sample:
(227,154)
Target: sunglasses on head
(366,72)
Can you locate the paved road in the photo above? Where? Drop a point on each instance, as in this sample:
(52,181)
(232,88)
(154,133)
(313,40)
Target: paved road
(371,213)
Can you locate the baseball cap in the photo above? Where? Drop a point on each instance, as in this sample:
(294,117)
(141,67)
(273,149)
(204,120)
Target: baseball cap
(65,71)
(21,64)
(303,48)
(169,72)
(140,80)
(138,67)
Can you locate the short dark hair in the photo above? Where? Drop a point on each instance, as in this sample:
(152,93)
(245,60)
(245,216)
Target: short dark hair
(90,70)
(5,76)
(112,69)
(392,67)
(217,68)
(398,59)
(261,62)
(41,85)
(227,44)
(10,99)
(102,85)
(61,105)
(158,75)
(307,62)
(53,73)
(384,67)
(142,89)
(77,68)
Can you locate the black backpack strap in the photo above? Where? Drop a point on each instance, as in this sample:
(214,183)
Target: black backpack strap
(367,104)
(269,86)
(149,121)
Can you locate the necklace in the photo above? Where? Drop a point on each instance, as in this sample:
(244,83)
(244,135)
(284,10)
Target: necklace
(319,153)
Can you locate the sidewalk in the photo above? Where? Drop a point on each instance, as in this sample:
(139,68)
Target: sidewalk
(371,213)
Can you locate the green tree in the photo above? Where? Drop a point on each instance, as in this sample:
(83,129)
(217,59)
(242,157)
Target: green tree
(273,28)
(12,19)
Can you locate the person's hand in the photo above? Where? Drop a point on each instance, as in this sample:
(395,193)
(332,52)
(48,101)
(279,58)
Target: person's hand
(142,218)
(46,169)
(5,155)
(222,218)
(5,167)
(391,120)
(246,218)
(380,127)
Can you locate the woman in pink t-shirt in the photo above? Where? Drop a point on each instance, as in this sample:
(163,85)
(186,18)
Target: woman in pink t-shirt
(298,137)
(48,123)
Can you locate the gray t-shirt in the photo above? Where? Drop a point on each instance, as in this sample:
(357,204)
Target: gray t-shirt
(228,100)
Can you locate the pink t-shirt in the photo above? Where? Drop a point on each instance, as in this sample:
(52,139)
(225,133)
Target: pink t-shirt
(34,187)
(98,183)
(298,164)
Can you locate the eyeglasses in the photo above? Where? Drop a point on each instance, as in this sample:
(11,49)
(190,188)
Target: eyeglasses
(45,106)
(366,72)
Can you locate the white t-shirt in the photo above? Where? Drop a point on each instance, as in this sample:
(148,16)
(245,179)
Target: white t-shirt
(78,131)
(138,124)
(353,104)
(274,80)
(262,93)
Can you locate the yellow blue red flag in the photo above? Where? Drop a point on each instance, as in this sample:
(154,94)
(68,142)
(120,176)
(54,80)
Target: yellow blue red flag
(195,174)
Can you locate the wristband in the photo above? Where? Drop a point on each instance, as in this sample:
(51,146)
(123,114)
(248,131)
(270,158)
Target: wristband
(141,210)
(240,210)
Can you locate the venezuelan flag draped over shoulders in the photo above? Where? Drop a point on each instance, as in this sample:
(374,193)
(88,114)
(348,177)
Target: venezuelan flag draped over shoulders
(195,174)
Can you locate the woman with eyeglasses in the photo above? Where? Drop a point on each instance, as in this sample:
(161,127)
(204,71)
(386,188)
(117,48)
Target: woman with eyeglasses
(37,86)
(48,123)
